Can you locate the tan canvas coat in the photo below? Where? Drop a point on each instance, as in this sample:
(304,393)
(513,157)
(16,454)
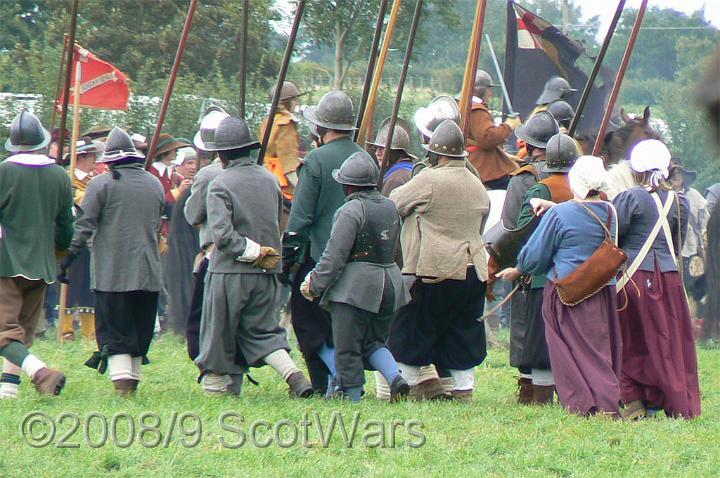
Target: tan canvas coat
(444,209)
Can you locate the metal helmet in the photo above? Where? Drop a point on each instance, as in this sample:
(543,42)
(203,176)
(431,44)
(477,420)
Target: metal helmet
(538,129)
(447,140)
(289,90)
(359,169)
(231,133)
(483,81)
(334,111)
(562,112)
(118,146)
(400,139)
(555,89)
(560,154)
(440,109)
(206,134)
(27,133)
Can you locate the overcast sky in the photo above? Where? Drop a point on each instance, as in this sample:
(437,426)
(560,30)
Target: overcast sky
(606,8)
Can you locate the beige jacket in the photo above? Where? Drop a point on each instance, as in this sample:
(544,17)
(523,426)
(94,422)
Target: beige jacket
(444,209)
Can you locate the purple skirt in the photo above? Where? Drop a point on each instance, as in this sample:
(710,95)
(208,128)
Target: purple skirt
(585,345)
(659,358)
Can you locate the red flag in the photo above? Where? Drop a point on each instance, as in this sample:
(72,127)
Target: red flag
(102,85)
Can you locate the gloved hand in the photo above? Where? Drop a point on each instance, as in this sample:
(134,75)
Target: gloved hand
(269,258)
(513,120)
(64,267)
(305,288)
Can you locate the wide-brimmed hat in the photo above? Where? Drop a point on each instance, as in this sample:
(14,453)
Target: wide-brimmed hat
(690,176)
(98,131)
(85,145)
(167,142)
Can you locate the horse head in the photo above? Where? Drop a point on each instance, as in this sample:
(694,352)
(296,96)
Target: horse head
(617,143)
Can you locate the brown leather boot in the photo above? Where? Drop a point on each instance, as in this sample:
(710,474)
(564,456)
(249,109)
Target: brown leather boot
(525,391)
(428,390)
(299,386)
(48,381)
(543,394)
(125,387)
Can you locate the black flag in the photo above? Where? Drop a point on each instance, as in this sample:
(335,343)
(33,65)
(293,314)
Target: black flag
(536,51)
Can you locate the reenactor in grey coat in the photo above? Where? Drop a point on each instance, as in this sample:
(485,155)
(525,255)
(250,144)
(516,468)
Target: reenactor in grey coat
(122,210)
(359,280)
(196,214)
(244,205)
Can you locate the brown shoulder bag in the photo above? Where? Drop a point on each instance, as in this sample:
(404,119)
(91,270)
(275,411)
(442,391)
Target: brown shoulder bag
(593,274)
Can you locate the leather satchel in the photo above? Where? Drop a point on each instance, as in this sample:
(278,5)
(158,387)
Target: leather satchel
(593,274)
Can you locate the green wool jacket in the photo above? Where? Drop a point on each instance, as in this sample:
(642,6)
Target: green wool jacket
(318,196)
(36,217)
(526,214)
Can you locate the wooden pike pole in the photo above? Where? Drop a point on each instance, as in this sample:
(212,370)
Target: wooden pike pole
(401,86)
(471,65)
(243,57)
(596,68)
(59,84)
(371,66)
(377,76)
(281,79)
(171,83)
(621,74)
(62,313)
(68,75)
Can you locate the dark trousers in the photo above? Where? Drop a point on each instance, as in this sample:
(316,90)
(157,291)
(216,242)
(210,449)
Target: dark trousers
(357,335)
(192,331)
(125,321)
(312,326)
(440,325)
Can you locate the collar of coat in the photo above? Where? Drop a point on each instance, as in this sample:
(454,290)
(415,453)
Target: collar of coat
(368,193)
(453,163)
(244,161)
(27,159)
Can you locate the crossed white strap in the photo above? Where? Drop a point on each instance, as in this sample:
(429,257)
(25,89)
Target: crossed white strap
(663,223)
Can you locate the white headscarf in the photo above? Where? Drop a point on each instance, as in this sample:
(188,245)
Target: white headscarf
(651,155)
(588,174)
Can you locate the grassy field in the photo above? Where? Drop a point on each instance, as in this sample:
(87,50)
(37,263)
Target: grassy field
(490,436)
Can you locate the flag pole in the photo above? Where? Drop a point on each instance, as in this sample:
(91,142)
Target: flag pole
(400,87)
(471,65)
(171,83)
(371,66)
(59,83)
(621,74)
(62,313)
(68,76)
(281,79)
(377,74)
(596,68)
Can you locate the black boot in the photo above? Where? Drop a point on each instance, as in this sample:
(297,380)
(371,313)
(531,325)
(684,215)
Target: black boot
(399,389)
(319,374)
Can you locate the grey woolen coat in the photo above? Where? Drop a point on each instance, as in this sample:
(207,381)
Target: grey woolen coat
(196,206)
(123,218)
(243,203)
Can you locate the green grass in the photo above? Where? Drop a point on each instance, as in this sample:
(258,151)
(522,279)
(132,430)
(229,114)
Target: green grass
(492,436)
